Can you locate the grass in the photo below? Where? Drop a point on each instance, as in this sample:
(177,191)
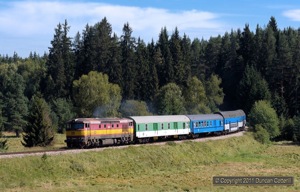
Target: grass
(189,166)
(15,145)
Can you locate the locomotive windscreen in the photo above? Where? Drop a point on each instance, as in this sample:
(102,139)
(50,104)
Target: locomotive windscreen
(73,126)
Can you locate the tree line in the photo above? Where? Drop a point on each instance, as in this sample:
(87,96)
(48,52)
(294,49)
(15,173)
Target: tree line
(97,73)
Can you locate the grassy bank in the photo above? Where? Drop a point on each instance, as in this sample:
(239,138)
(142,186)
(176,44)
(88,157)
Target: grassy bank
(15,145)
(189,166)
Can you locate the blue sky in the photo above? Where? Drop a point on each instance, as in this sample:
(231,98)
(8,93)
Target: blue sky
(29,25)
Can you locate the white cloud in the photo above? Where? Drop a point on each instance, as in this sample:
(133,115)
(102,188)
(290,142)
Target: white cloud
(37,19)
(293,14)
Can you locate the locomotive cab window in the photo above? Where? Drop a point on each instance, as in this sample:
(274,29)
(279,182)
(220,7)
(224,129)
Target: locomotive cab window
(76,126)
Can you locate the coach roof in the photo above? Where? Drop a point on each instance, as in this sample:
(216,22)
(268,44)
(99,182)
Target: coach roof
(205,117)
(236,113)
(160,119)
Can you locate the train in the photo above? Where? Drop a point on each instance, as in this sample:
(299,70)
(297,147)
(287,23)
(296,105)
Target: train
(97,132)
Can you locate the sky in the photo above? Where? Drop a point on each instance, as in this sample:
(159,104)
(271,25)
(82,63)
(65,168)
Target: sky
(28,26)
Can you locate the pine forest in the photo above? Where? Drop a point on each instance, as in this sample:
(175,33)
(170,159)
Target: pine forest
(100,74)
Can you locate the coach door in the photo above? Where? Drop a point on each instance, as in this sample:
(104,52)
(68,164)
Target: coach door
(176,127)
(155,128)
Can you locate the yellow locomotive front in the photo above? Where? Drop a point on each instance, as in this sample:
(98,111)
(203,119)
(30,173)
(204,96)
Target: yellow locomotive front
(77,132)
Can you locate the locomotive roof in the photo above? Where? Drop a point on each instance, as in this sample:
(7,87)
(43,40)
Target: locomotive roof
(98,120)
(236,113)
(160,119)
(205,117)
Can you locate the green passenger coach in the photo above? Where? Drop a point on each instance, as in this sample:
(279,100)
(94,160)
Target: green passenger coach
(154,127)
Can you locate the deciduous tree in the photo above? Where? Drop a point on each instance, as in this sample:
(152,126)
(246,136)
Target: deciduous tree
(94,94)
(134,108)
(169,100)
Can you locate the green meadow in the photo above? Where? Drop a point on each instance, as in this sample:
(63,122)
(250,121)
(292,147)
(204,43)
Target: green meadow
(187,166)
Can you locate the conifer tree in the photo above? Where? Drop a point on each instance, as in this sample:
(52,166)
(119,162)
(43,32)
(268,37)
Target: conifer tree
(60,64)
(128,62)
(103,44)
(114,67)
(38,131)
(186,57)
(14,101)
(247,46)
(177,58)
(166,69)
(155,59)
(142,64)
(212,51)
(252,88)
(268,53)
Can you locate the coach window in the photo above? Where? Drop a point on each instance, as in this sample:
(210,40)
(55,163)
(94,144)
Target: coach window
(146,127)
(104,125)
(184,125)
(162,126)
(100,126)
(138,127)
(168,125)
(112,125)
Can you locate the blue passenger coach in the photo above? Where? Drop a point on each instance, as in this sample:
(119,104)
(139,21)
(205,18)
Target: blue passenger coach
(233,120)
(206,123)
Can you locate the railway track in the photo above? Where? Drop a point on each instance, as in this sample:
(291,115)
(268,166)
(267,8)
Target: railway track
(73,151)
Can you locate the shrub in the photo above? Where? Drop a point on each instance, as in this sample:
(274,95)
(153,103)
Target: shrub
(263,114)
(261,134)
(3,145)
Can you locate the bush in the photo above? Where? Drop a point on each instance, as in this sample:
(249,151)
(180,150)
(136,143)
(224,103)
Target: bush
(263,114)
(261,134)
(3,145)
(286,129)
(296,129)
